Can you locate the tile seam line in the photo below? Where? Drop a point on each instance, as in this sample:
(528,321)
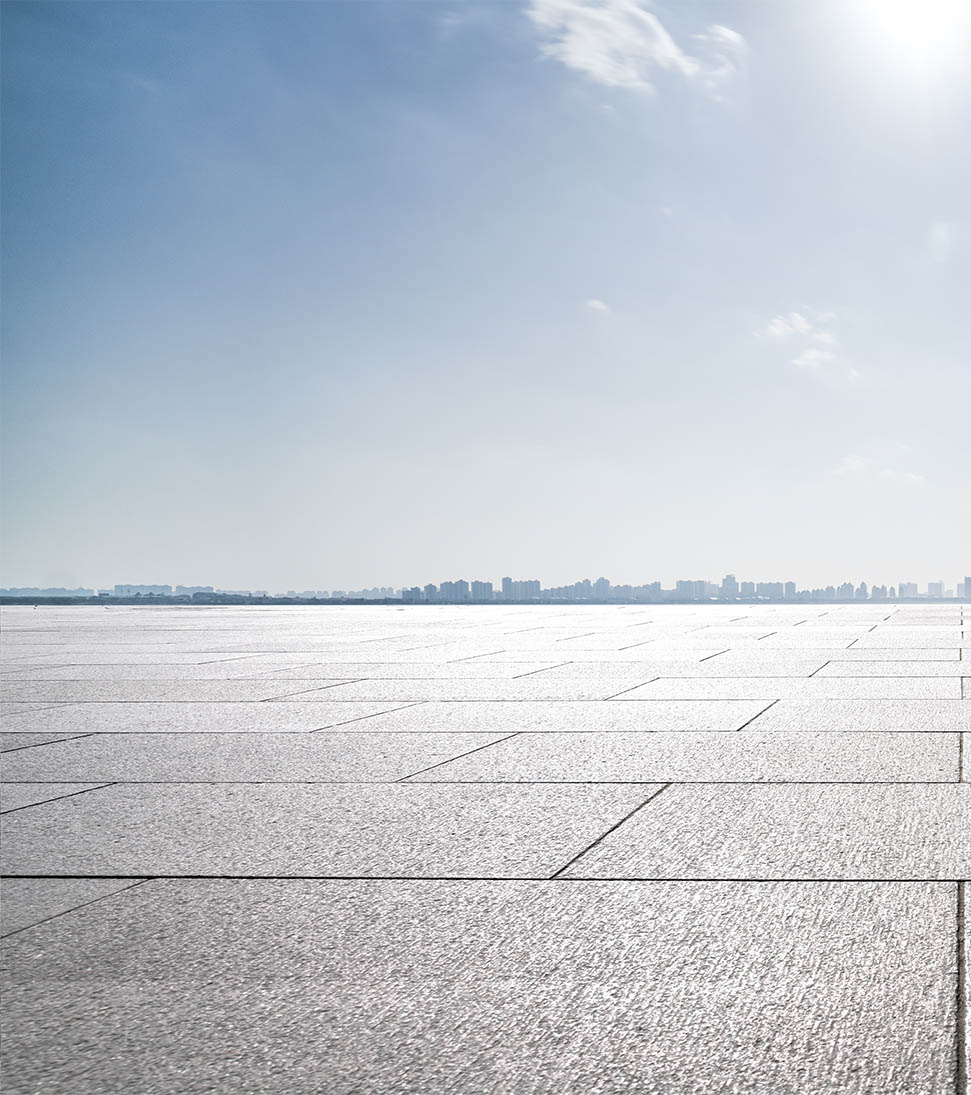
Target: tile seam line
(39,744)
(468,782)
(477,749)
(59,798)
(613,828)
(74,908)
(961,991)
(558,880)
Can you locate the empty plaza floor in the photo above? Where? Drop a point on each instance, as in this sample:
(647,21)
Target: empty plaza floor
(626,849)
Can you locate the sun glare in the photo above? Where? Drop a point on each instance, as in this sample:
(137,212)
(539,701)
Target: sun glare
(925,39)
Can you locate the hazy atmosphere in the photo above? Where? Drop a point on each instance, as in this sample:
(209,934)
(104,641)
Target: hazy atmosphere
(346,294)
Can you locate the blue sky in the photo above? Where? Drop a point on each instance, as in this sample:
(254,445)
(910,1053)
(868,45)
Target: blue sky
(340,294)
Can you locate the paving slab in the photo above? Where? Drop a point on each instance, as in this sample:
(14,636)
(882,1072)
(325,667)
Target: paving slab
(25,902)
(147,691)
(791,831)
(699,758)
(10,742)
(895,669)
(453,671)
(23,707)
(712,716)
(225,717)
(866,716)
(18,795)
(495,987)
(817,688)
(535,687)
(897,654)
(328,756)
(316,830)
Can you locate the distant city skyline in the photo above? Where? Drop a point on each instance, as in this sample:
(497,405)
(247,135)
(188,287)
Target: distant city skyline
(518,590)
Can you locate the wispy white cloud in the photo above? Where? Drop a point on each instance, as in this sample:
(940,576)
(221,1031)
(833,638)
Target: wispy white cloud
(806,330)
(869,472)
(812,358)
(621,43)
(792,324)
(597,305)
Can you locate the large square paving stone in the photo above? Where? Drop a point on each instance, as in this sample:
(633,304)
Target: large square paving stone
(473,988)
(315,830)
(789,831)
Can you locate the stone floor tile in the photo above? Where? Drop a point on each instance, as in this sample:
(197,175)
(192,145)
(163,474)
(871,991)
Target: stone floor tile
(244,758)
(137,691)
(10,742)
(815,688)
(227,717)
(702,758)
(318,830)
(489,988)
(25,902)
(713,716)
(17,795)
(535,687)
(894,669)
(791,831)
(866,716)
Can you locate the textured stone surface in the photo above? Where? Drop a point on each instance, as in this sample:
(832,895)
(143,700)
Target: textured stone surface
(314,829)
(687,715)
(9,742)
(399,987)
(147,691)
(15,796)
(794,831)
(866,716)
(816,688)
(25,902)
(748,756)
(244,758)
(535,687)
(789,742)
(228,717)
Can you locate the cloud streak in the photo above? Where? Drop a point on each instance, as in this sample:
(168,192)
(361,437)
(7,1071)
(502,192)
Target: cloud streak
(867,471)
(621,43)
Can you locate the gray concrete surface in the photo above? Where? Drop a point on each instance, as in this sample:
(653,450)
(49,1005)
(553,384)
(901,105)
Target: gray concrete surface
(467,869)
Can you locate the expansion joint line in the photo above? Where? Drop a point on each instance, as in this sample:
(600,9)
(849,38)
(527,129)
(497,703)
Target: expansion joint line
(612,829)
(468,753)
(961,1069)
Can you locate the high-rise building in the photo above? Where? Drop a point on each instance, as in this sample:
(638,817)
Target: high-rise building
(907,589)
(790,591)
(935,589)
(691,591)
(729,587)
(967,587)
(748,589)
(455,591)
(482,591)
(601,589)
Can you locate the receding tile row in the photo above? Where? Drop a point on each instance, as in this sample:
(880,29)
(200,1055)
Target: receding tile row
(524,757)
(715,831)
